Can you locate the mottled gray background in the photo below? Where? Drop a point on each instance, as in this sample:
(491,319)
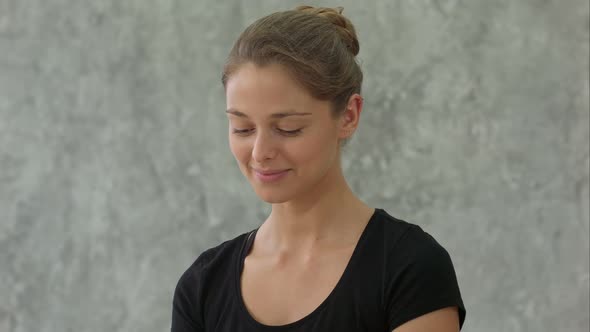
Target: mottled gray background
(115,171)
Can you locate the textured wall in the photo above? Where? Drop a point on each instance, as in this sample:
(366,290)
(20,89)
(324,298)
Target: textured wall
(115,171)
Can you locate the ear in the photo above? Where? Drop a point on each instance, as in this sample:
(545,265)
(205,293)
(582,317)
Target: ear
(349,119)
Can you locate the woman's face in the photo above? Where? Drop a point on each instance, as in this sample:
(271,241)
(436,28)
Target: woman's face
(284,140)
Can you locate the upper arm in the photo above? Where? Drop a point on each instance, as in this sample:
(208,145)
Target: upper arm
(184,305)
(442,320)
(422,288)
(187,306)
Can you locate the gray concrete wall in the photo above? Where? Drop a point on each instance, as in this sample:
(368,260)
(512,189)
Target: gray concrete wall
(115,171)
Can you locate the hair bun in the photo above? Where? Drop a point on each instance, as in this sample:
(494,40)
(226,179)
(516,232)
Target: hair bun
(343,24)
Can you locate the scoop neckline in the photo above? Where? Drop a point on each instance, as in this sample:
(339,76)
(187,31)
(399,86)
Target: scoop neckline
(246,247)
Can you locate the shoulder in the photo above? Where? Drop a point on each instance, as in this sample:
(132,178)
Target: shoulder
(422,247)
(216,254)
(409,242)
(211,262)
(192,286)
(419,276)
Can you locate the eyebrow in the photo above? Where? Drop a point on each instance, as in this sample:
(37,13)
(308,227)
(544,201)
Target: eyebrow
(278,115)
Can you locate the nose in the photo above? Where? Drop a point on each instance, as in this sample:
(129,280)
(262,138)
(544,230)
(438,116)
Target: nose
(264,148)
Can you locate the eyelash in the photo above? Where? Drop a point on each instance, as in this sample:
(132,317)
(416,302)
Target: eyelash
(282,132)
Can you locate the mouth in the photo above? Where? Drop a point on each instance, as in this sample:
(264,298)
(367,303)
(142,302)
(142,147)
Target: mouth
(269,172)
(270,175)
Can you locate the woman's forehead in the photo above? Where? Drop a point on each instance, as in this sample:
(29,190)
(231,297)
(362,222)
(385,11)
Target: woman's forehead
(272,78)
(269,90)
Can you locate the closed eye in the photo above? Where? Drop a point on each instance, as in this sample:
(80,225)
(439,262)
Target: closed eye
(241,131)
(281,131)
(289,132)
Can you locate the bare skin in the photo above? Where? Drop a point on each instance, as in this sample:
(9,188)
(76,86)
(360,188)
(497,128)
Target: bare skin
(282,287)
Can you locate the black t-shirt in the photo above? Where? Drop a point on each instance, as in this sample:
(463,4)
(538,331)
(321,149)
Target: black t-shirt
(397,272)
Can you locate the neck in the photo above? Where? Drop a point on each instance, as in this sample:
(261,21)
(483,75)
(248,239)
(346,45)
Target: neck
(327,215)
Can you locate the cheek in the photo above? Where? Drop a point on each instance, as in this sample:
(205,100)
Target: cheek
(240,150)
(317,150)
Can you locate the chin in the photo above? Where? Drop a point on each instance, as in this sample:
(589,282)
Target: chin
(273,200)
(273,196)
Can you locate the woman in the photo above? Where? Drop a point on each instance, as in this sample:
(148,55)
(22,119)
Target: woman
(323,260)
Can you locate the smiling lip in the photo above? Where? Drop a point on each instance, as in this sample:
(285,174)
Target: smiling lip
(269,172)
(270,175)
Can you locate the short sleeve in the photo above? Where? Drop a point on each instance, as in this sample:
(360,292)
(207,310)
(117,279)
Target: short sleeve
(420,279)
(186,304)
